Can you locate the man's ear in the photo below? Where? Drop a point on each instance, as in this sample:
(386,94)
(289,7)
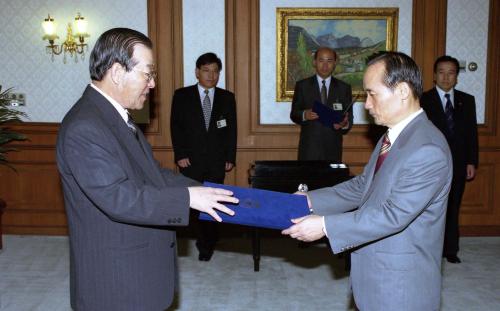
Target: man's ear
(403,90)
(117,72)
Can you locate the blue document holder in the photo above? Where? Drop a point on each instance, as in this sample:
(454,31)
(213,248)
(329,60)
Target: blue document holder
(261,208)
(327,116)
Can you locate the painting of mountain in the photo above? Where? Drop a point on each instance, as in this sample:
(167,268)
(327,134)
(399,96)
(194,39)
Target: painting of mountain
(353,40)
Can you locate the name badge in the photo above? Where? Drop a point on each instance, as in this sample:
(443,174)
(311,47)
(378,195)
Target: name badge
(221,123)
(337,106)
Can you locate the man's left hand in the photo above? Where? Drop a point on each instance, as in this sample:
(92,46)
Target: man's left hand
(308,228)
(206,199)
(471,171)
(343,124)
(229,166)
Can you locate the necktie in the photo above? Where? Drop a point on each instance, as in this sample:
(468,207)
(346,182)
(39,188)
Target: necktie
(207,110)
(449,114)
(384,151)
(323,93)
(131,125)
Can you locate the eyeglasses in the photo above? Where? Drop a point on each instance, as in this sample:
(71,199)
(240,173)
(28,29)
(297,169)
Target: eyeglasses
(149,75)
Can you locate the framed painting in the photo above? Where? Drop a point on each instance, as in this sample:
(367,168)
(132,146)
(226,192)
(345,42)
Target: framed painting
(354,33)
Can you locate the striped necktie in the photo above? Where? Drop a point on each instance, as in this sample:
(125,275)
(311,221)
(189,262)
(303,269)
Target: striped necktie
(384,151)
(131,125)
(207,109)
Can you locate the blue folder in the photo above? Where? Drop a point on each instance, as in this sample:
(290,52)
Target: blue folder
(261,208)
(327,116)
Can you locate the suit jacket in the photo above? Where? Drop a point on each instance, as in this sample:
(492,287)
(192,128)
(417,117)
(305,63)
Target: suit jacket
(394,221)
(118,201)
(464,143)
(207,150)
(318,142)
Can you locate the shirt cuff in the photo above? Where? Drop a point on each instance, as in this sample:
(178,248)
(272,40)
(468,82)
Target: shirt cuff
(324,228)
(303,116)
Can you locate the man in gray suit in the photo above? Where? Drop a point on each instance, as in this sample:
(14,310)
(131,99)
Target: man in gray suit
(391,216)
(119,202)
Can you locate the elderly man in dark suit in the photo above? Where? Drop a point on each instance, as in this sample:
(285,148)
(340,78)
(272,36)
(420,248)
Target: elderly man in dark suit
(317,141)
(392,216)
(203,129)
(454,114)
(119,202)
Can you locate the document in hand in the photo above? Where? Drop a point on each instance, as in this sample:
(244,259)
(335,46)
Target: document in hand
(261,208)
(327,116)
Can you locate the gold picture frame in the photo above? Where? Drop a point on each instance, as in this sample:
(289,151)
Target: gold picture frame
(300,31)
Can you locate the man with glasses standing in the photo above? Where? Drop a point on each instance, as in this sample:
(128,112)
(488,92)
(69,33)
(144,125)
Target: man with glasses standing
(203,129)
(119,202)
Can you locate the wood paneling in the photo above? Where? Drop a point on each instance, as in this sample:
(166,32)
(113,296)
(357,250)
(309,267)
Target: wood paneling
(33,194)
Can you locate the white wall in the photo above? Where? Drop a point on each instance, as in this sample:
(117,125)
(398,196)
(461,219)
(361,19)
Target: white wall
(467,40)
(51,88)
(203,31)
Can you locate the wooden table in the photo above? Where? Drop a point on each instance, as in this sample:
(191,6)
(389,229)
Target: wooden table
(285,176)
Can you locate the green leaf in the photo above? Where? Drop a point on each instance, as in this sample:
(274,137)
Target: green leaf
(8,114)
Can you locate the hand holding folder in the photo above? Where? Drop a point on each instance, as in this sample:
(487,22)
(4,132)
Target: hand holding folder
(328,116)
(262,208)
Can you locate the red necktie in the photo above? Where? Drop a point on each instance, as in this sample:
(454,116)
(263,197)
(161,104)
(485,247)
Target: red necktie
(384,151)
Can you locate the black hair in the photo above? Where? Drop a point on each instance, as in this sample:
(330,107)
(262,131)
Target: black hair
(446,58)
(399,67)
(115,46)
(208,58)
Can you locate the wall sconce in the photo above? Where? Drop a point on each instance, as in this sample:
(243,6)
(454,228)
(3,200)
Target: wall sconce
(70,45)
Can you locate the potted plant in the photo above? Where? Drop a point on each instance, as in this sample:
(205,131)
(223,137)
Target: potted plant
(7,114)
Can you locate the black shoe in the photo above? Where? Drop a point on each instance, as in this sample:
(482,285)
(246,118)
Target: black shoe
(453,259)
(205,256)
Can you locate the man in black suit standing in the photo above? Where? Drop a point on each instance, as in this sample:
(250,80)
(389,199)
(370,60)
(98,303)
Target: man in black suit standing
(203,129)
(319,142)
(119,202)
(454,113)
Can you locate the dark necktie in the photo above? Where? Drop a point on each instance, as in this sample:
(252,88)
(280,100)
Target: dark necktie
(448,111)
(207,110)
(323,93)
(384,151)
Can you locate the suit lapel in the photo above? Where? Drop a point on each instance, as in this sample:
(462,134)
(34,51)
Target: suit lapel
(437,111)
(332,92)
(315,89)
(394,153)
(438,104)
(216,108)
(458,103)
(137,148)
(370,171)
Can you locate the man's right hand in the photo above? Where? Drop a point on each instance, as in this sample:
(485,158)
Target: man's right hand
(184,163)
(206,199)
(310,115)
